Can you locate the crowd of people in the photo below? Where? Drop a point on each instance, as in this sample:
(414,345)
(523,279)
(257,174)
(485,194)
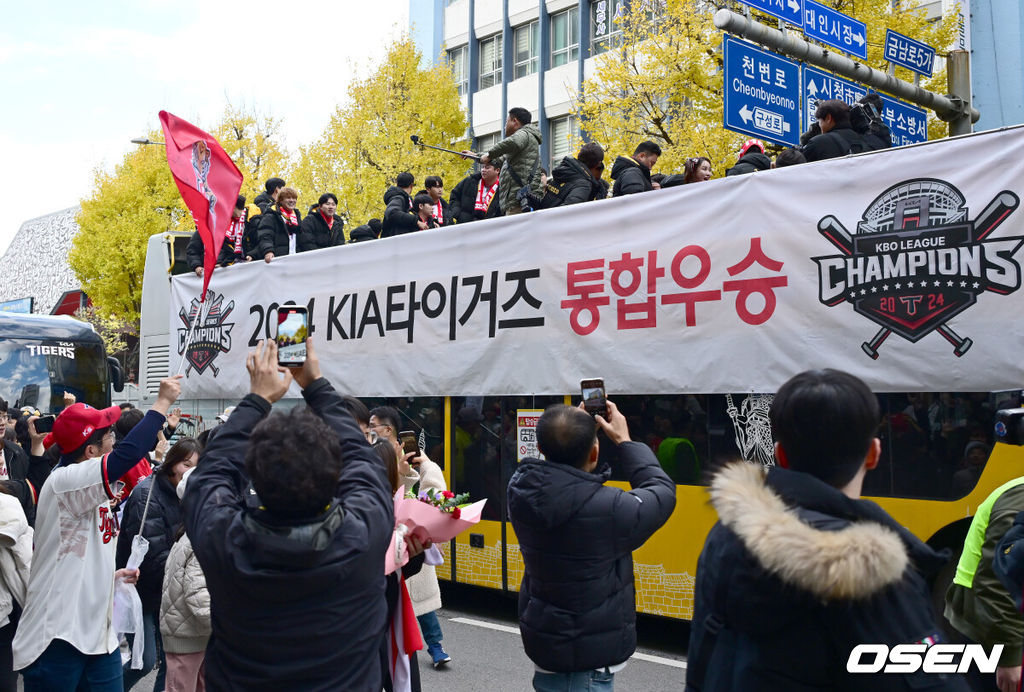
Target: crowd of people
(266,539)
(510,180)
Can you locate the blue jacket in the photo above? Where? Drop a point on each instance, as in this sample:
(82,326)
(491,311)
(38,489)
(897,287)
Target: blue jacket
(296,606)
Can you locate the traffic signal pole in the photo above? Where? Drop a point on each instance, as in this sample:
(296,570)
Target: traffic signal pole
(954,108)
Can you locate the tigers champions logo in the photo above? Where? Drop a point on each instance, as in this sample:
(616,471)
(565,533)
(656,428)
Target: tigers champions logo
(212,334)
(917,260)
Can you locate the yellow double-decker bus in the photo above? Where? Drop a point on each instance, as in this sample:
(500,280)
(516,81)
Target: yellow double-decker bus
(694,304)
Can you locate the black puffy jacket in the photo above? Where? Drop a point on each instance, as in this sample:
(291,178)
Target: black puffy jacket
(195,252)
(838,141)
(577,604)
(463,201)
(575,183)
(398,218)
(796,574)
(162,524)
(314,233)
(273,234)
(294,605)
(630,177)
(749,163)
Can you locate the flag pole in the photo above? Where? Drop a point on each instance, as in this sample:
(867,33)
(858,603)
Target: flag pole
(191,332)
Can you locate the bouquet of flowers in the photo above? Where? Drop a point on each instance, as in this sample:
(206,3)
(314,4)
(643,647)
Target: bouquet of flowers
(432,516)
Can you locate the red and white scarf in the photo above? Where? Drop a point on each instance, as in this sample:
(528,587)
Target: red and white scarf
(484,195)
(439,213)
(290,219)
(237,231)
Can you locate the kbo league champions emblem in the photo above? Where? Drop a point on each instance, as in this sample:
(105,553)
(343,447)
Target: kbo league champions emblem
(917,260)
(212,335)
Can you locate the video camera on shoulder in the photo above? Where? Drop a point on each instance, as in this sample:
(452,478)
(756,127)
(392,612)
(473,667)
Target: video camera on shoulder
(1010,426)
(866,115)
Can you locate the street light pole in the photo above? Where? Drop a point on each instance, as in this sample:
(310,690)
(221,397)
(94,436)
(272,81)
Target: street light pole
(146,140)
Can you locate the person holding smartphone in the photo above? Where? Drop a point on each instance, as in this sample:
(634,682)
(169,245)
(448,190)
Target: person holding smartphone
(66,639)
(296,583)
(577,602)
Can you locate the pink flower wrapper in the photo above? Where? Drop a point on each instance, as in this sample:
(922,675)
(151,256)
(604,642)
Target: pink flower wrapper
(427,523)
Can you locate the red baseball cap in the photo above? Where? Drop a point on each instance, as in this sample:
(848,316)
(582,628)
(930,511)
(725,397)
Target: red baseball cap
(75,423)
(751,144)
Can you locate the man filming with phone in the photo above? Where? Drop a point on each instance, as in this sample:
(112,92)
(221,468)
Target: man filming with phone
(577,603)
(297,583)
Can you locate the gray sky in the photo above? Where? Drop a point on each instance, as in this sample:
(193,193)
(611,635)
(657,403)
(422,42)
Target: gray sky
(80,79)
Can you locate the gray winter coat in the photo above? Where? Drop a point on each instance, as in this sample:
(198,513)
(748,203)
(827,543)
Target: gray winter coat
(521,153)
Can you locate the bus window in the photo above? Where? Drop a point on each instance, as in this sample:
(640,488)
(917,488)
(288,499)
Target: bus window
(422,415)
(675,428)
(935,444)
(36,373)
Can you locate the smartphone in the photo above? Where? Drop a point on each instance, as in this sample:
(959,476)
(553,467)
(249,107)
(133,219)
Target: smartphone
(409,441)
(594,400)
(292,330)
(45,424)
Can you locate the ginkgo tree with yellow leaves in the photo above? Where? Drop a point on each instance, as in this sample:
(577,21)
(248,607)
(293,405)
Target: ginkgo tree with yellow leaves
(366,144)
(254,143)
(663,80)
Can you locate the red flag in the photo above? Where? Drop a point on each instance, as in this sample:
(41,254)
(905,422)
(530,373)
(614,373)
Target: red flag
(208,180)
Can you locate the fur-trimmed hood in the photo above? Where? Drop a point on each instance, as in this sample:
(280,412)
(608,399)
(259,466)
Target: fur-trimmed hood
(832,557)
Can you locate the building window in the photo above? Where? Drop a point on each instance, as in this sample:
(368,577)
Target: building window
(458,60)
(527,42)
(562,133)
(485,143)
(565,37)
(604,24)
(490,61)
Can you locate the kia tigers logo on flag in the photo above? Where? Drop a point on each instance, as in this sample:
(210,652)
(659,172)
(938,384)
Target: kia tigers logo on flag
(917,260)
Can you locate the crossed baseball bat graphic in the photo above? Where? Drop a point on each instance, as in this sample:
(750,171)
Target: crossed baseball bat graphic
(986,222)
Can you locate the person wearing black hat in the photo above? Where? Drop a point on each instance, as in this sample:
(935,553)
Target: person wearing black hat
(399,215)
(368,231)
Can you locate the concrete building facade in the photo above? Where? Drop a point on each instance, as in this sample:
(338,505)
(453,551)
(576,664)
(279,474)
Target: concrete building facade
(537,53)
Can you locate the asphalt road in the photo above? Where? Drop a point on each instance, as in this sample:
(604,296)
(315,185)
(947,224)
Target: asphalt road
(482,637)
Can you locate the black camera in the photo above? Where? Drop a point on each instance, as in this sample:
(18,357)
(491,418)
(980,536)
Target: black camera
(1010,426)
(866,115)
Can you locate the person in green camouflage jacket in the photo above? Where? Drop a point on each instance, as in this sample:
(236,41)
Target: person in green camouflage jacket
(519,154)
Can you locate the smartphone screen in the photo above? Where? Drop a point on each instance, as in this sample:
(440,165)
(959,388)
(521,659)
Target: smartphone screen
(594,397)
(292,329)
(45,424)
(409,442)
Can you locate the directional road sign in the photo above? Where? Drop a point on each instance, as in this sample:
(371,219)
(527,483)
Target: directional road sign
(907,124)
(791,11)
(762,93)
(905,51)
(835,28)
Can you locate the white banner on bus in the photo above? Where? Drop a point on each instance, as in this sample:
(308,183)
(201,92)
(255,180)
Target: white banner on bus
(902,267)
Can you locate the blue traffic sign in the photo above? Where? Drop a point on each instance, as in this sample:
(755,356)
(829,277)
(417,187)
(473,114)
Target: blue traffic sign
(905,51)
(762,93)
(791,11)
(835,28)
(907,124)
